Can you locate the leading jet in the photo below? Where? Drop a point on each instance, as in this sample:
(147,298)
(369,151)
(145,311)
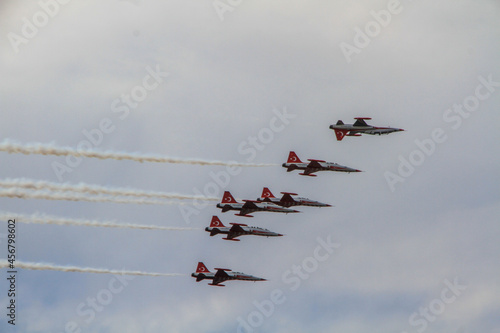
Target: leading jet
(360,126)
(237,230)
(289,199)
(250,206)
(222,274)
(294,162)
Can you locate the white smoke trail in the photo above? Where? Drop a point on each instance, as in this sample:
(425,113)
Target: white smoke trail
(46,219)
(51,149)
(16,193)
(97,189)
(51,267)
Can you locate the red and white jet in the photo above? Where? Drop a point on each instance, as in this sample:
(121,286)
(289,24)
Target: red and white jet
(250,206)
(237,230)
(289,199)
(222,274)
(360,126)
(294,162)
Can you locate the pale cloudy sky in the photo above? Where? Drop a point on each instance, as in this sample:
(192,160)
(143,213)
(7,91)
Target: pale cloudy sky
(230,70)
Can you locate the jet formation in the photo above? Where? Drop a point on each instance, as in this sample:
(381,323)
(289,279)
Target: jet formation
(228,203)
(269,203)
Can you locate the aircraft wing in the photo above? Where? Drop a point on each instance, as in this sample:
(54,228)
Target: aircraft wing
(248,207)
(360,121)
(287,197)
(314,164)
(233,232)
(309,171)
(220,276)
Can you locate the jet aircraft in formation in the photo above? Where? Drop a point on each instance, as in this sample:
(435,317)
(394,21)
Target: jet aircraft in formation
(360,126)
(294,163)
(268,202)
(250,206)
(289,199)
(237,229)
(222,274)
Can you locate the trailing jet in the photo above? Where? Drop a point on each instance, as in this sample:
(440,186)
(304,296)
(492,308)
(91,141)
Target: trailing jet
(289,199)
(360,126)
(237,230)
(250,206)
(294,162)
(222,274)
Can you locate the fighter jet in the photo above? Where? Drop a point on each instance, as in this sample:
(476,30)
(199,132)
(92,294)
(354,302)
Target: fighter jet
(289,199)
(237,230)
(222,274)
(360,126)
(294,162)
(250,206)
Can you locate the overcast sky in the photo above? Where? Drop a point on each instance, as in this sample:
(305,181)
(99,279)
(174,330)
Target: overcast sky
(416,233)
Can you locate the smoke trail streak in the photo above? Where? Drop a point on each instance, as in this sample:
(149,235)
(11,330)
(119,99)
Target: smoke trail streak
(97,189)
(51,149)
(46,219)
(16,193)
(51,267)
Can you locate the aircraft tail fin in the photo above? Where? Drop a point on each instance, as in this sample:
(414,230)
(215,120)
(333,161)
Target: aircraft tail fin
(228,198)
(340,134)
(215,223)
(266,193)
(293,158)
(201,268)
